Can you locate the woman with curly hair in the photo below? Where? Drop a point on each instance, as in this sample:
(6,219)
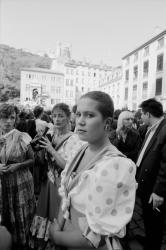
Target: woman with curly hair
(17,198)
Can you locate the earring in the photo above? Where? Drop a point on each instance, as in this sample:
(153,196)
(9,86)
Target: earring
(106,127)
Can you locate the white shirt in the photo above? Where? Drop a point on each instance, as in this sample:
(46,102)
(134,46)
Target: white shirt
(151,132)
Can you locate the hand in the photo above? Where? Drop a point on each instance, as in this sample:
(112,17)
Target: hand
(156,199)
(3,167)
(11,168)
(45,143)
(54,227)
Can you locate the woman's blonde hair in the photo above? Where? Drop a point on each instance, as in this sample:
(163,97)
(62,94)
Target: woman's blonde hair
(123,115)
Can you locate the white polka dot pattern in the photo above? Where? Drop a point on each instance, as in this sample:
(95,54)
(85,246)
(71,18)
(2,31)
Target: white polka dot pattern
(107,195)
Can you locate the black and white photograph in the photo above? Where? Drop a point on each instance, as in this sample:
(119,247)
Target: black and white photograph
(82,124)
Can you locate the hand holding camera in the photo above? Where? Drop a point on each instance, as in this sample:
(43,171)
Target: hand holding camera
(36,142)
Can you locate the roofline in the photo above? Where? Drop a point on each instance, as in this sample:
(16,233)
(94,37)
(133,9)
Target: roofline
(145,44)
(42,70)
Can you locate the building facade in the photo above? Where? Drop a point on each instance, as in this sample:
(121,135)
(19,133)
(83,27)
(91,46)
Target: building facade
(66,81)
(41,87)
(144,73)
(114,87)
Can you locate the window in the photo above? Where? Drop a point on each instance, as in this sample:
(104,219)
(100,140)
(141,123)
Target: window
(67,82)
(27,87)
(127,75)
(160,62)
(94,74)
(134,106)
(158,86)
(58,90)
(71,82)
(145,68)
(127,60)
(146,51)
(76,79)
(71,93)
(43,77)
(52,101)
(144,90)
(160,43)
(126,94)
(135,56)
(53,89)
(134,91)
(135,72)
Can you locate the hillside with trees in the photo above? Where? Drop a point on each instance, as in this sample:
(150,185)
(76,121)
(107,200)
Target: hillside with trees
(11,62)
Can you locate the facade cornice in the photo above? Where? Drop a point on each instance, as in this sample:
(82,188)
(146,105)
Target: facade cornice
(41,70)
(145,44)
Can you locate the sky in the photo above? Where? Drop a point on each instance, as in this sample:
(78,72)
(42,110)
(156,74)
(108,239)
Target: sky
(99,30)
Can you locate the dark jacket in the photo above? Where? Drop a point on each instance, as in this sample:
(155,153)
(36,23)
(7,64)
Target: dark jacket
(151,175)
(130,147)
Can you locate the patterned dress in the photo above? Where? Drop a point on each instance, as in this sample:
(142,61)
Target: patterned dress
(49,199)
(17,192)
(99,199)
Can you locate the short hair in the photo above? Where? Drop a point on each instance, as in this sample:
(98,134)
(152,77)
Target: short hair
(152,106)
(105,103)
(38,110)
(7,109)
(64,107)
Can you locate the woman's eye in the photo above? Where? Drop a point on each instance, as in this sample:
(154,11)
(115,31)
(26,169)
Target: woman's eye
(78,114)
(89,115)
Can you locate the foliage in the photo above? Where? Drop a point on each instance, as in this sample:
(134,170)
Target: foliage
(11,62)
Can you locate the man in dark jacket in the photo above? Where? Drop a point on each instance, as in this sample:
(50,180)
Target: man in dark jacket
(151,175)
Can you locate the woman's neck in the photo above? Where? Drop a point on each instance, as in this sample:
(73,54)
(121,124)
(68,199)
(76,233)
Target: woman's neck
(61,131)
(99,145)
(4,131)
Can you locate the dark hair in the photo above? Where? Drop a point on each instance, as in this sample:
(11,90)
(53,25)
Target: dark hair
(64,107)
(38,110)
(152,106)
(45,117)
(117,113)
(74,109)
(105,103)
(7,109)
(22,115)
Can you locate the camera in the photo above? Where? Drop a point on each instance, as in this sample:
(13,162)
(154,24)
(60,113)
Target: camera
(35,143)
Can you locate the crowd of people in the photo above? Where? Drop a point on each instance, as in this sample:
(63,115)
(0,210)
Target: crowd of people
(74,178)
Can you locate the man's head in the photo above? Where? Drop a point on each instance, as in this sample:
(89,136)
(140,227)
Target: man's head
(151,109)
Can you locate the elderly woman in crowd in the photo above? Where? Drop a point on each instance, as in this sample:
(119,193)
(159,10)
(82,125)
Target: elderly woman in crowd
(17,201)
(125,137)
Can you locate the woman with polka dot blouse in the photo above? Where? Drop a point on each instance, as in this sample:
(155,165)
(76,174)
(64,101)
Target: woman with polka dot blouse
(98,186)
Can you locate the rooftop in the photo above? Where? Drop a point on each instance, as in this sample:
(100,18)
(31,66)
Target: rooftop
(146,44)
(42,70)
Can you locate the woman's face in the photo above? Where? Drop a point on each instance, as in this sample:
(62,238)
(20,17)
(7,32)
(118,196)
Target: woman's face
(8,123)
(89,121)
(60,119)
(128,121)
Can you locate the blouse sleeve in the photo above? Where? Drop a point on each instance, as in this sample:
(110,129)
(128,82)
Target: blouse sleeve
(71,147)
(105,194)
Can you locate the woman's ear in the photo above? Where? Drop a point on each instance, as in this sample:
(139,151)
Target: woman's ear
(108,124)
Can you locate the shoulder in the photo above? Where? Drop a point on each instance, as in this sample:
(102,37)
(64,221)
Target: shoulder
(117,164)
(26,138)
